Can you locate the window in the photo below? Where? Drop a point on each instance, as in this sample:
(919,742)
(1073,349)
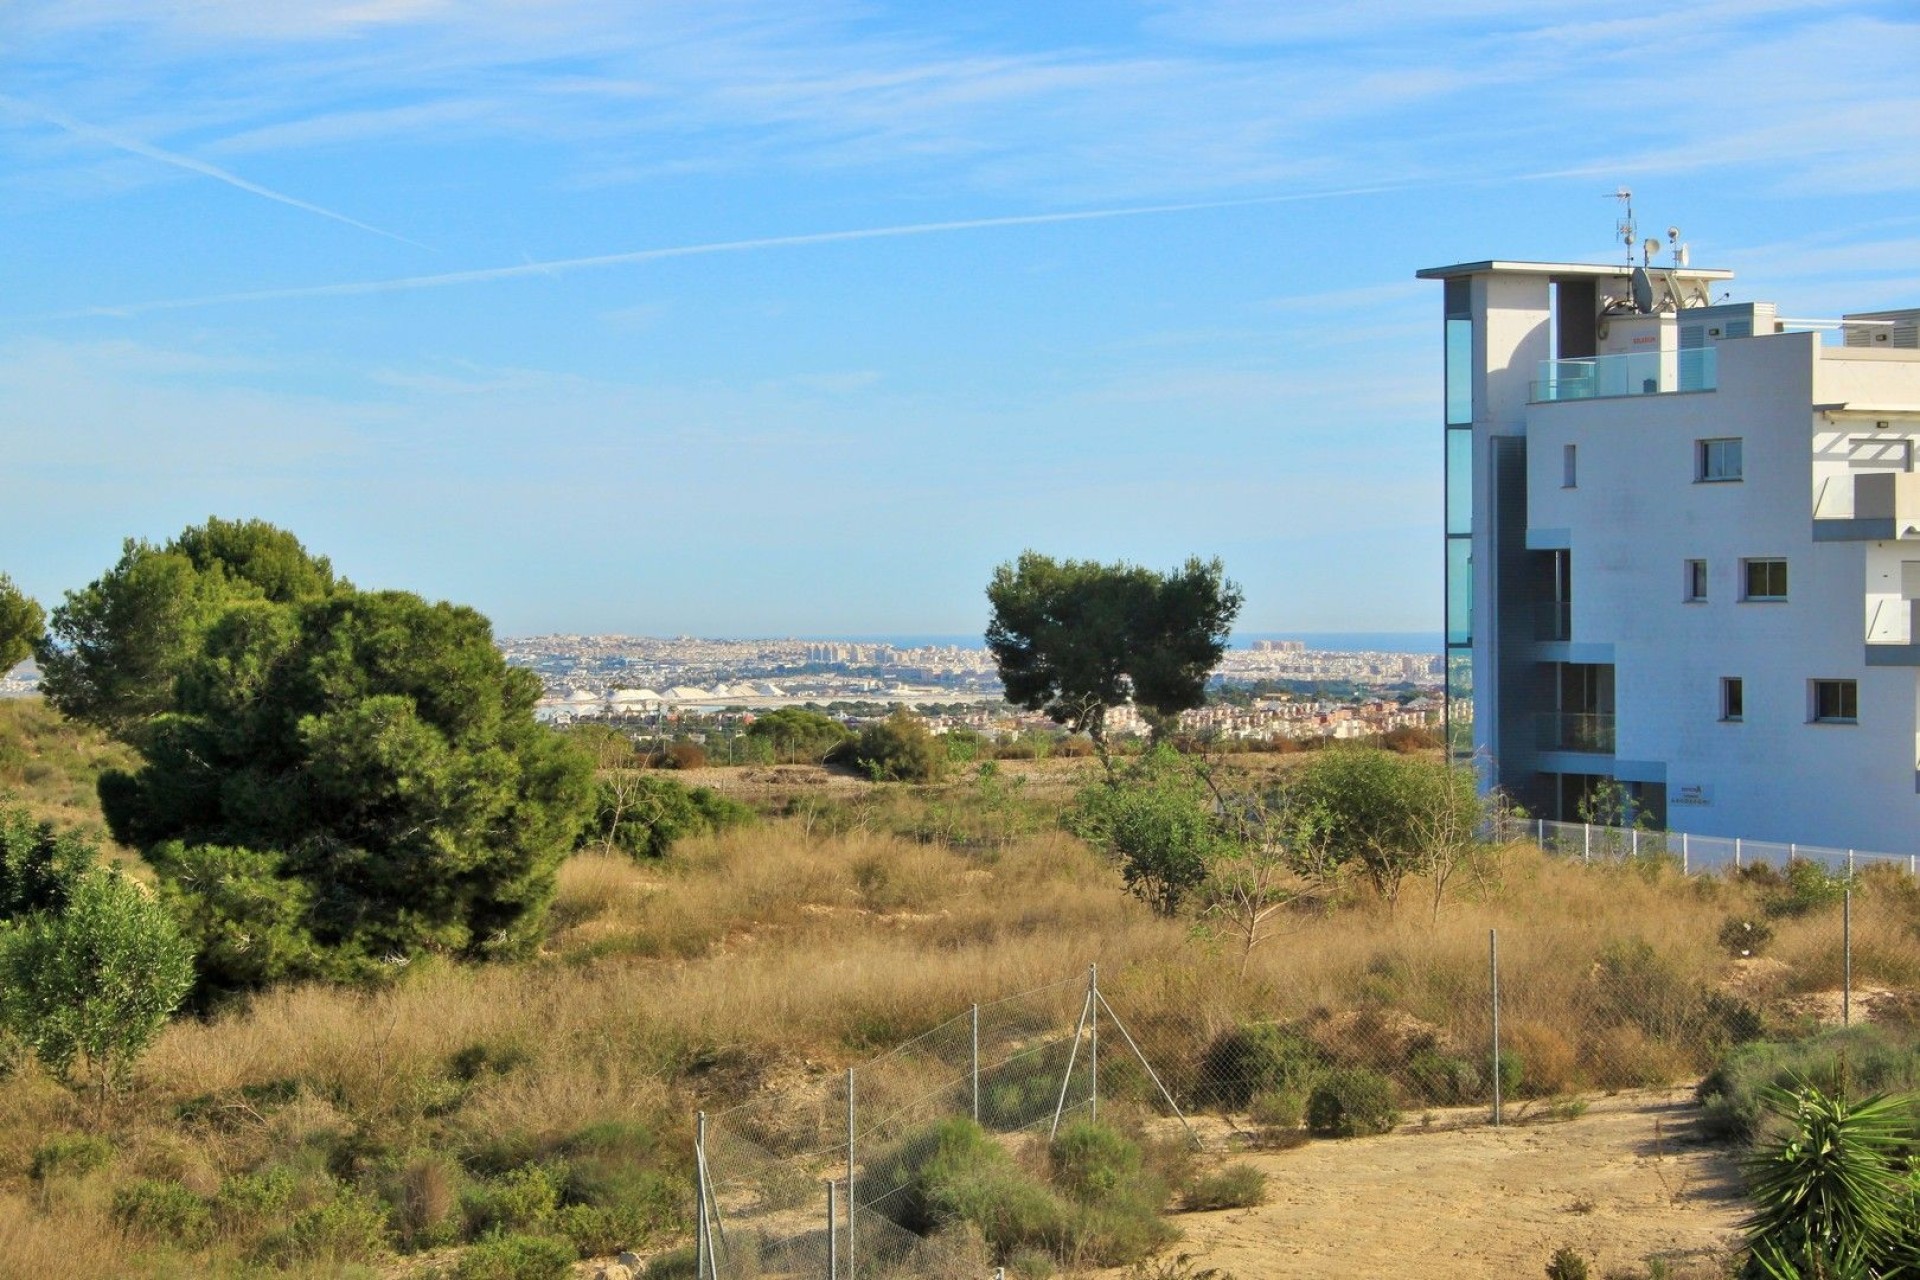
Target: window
(1733,698)
(1835,701)
(1696,580)
(1763,579)
(1717,460)
(1569,457)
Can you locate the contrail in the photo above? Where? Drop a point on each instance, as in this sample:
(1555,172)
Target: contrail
(555,266)
(136,147)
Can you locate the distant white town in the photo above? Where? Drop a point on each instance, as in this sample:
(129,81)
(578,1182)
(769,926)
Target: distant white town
(1275,688)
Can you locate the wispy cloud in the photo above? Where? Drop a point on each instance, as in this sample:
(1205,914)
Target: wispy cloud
(558,266)
(135,146)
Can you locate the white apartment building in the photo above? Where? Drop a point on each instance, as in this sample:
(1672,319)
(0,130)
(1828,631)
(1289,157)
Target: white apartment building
(1683,551)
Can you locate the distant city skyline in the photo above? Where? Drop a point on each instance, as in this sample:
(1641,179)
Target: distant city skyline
(762,317)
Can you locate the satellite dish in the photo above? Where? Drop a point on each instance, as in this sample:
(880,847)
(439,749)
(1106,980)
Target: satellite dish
(1642,291)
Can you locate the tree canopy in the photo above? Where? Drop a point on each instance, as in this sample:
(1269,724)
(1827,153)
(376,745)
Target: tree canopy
(375,755)
(115,647)
(796,733)
(1074,638)
(21,622)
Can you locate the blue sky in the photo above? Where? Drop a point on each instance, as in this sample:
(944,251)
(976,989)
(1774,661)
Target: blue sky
(386,272)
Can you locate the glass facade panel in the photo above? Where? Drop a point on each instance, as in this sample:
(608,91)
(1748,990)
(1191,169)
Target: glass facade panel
(1459,591)
(1459,372)
(1459,480)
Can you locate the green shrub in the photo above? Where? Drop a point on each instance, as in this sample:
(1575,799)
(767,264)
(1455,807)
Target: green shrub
(1566,1265)
(517,1257)
(1352,1102)
(1257,1059)
(69,1155)
(247,1201)
(899,749)
(1237,1186)
(519,1200)
(163,1211)
(1446,1081)
(1091,1162)
(1863,1059)
(349,1227)
(1807,887)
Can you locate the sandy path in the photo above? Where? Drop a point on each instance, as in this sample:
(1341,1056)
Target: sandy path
(1628,1180)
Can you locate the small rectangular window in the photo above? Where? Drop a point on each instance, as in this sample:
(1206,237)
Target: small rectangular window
(1733,698)
(1835,701)
(1763,579)
(1696,580)
(1569,460)
(1716,461)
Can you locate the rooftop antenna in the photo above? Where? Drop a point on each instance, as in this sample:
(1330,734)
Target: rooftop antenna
(1680,254)
(1624,228)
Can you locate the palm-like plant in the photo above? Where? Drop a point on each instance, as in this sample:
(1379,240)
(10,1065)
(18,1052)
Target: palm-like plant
(1831,1203)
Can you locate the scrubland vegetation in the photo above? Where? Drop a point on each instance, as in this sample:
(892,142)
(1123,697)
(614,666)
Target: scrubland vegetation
(544,1107)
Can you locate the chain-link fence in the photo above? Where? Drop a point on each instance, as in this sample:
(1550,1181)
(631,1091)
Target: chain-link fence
(827,1176)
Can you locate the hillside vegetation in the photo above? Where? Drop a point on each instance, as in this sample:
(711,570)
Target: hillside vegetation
(52,765)
(423,1126)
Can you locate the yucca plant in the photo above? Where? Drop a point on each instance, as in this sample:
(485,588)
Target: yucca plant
(1832,1204)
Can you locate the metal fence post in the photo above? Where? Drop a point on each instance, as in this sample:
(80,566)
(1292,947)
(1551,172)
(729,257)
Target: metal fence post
(1636,842)
(1493,970)
(1846,948)
(833,1236)
(1541,839)
(853,1204)
(1736,853)
(973,1061)
(1586,852)
(1849,864)
(1093,1044)
(702,1247)
(1684,859)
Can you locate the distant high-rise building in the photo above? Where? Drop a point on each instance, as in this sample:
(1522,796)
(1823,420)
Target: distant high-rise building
(1682,551)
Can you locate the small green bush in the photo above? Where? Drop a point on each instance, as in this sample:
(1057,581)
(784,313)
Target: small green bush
(1092,1162)
(899,749)
(163,1211)
(517,1257)
(1261,1058)
(247,1201)
(1443,1080)
(350,1227)
(69,1155)
(1352,1102)
(675,1264)
(1807,887)
(519,1200)
(1566,1265)
(1237,1186)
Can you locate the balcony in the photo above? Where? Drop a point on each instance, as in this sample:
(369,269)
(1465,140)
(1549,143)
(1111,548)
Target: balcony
(1867,506)
(1585,731)
(1632,373)
(1892,631)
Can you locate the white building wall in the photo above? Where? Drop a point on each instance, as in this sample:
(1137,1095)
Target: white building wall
(1635,518)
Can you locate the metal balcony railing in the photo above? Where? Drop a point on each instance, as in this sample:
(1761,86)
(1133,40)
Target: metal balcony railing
(1589,731)
(1632,373)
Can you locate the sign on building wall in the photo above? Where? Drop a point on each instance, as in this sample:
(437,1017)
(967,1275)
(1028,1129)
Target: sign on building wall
(1695,793)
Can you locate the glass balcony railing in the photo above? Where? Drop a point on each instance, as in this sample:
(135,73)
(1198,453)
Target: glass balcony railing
(1577,731)
(1633,373)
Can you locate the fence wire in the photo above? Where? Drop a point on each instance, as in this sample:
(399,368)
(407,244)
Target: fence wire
(824,1178)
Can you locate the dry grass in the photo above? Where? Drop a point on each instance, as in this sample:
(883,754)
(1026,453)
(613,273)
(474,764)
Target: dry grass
(50,765)
(804,945)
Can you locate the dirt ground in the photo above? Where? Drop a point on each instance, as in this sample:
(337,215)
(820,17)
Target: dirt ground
(1628,1181)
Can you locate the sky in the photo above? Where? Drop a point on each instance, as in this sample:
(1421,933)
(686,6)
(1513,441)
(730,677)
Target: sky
(769,318)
